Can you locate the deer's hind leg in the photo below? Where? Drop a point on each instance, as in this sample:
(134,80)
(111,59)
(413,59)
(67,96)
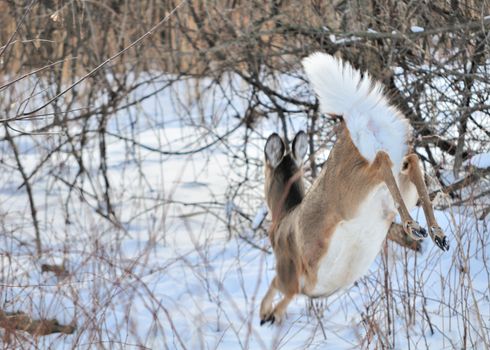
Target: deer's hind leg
(382,165)
(411,168)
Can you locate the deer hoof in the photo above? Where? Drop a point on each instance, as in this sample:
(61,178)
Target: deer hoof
(270,319)
(414,230)
(275,316)
(439,238)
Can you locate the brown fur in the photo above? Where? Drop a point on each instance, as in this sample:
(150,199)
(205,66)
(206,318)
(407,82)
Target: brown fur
(301,237)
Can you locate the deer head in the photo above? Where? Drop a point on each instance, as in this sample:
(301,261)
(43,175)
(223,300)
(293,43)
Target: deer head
(284,187)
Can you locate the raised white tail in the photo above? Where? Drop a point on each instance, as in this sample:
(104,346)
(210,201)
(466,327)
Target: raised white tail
(327,238)
(373,123)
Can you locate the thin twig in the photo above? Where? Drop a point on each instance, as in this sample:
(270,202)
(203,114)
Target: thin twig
(110,59)
(18,27)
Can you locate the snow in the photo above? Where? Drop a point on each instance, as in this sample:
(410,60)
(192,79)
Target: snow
(416,29)
(481,161)
(177,273)
(259,217)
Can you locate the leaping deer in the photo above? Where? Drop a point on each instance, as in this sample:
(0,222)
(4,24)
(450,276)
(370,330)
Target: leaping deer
(326,239)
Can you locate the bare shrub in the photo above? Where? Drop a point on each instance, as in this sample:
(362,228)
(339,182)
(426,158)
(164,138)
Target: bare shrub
(142,178)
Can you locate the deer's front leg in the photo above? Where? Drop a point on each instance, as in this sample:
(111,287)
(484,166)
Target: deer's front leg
(382,164)
(271,314)
(412,168)
(266,304)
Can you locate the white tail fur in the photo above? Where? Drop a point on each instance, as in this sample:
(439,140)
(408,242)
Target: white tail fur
(373,123)
(326,239)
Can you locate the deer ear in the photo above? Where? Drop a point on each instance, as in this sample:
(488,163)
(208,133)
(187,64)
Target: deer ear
(274,150)
(300,146)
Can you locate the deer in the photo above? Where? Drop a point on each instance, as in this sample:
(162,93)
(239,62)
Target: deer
(327,238)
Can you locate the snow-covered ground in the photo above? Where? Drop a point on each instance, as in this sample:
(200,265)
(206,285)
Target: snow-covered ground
(185,260)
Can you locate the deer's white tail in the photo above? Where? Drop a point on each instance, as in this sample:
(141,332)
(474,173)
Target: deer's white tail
(373,123)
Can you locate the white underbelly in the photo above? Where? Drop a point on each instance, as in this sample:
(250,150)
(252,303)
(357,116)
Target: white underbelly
(355,244)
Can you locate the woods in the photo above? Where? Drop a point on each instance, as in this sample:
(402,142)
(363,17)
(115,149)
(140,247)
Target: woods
(132,161)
